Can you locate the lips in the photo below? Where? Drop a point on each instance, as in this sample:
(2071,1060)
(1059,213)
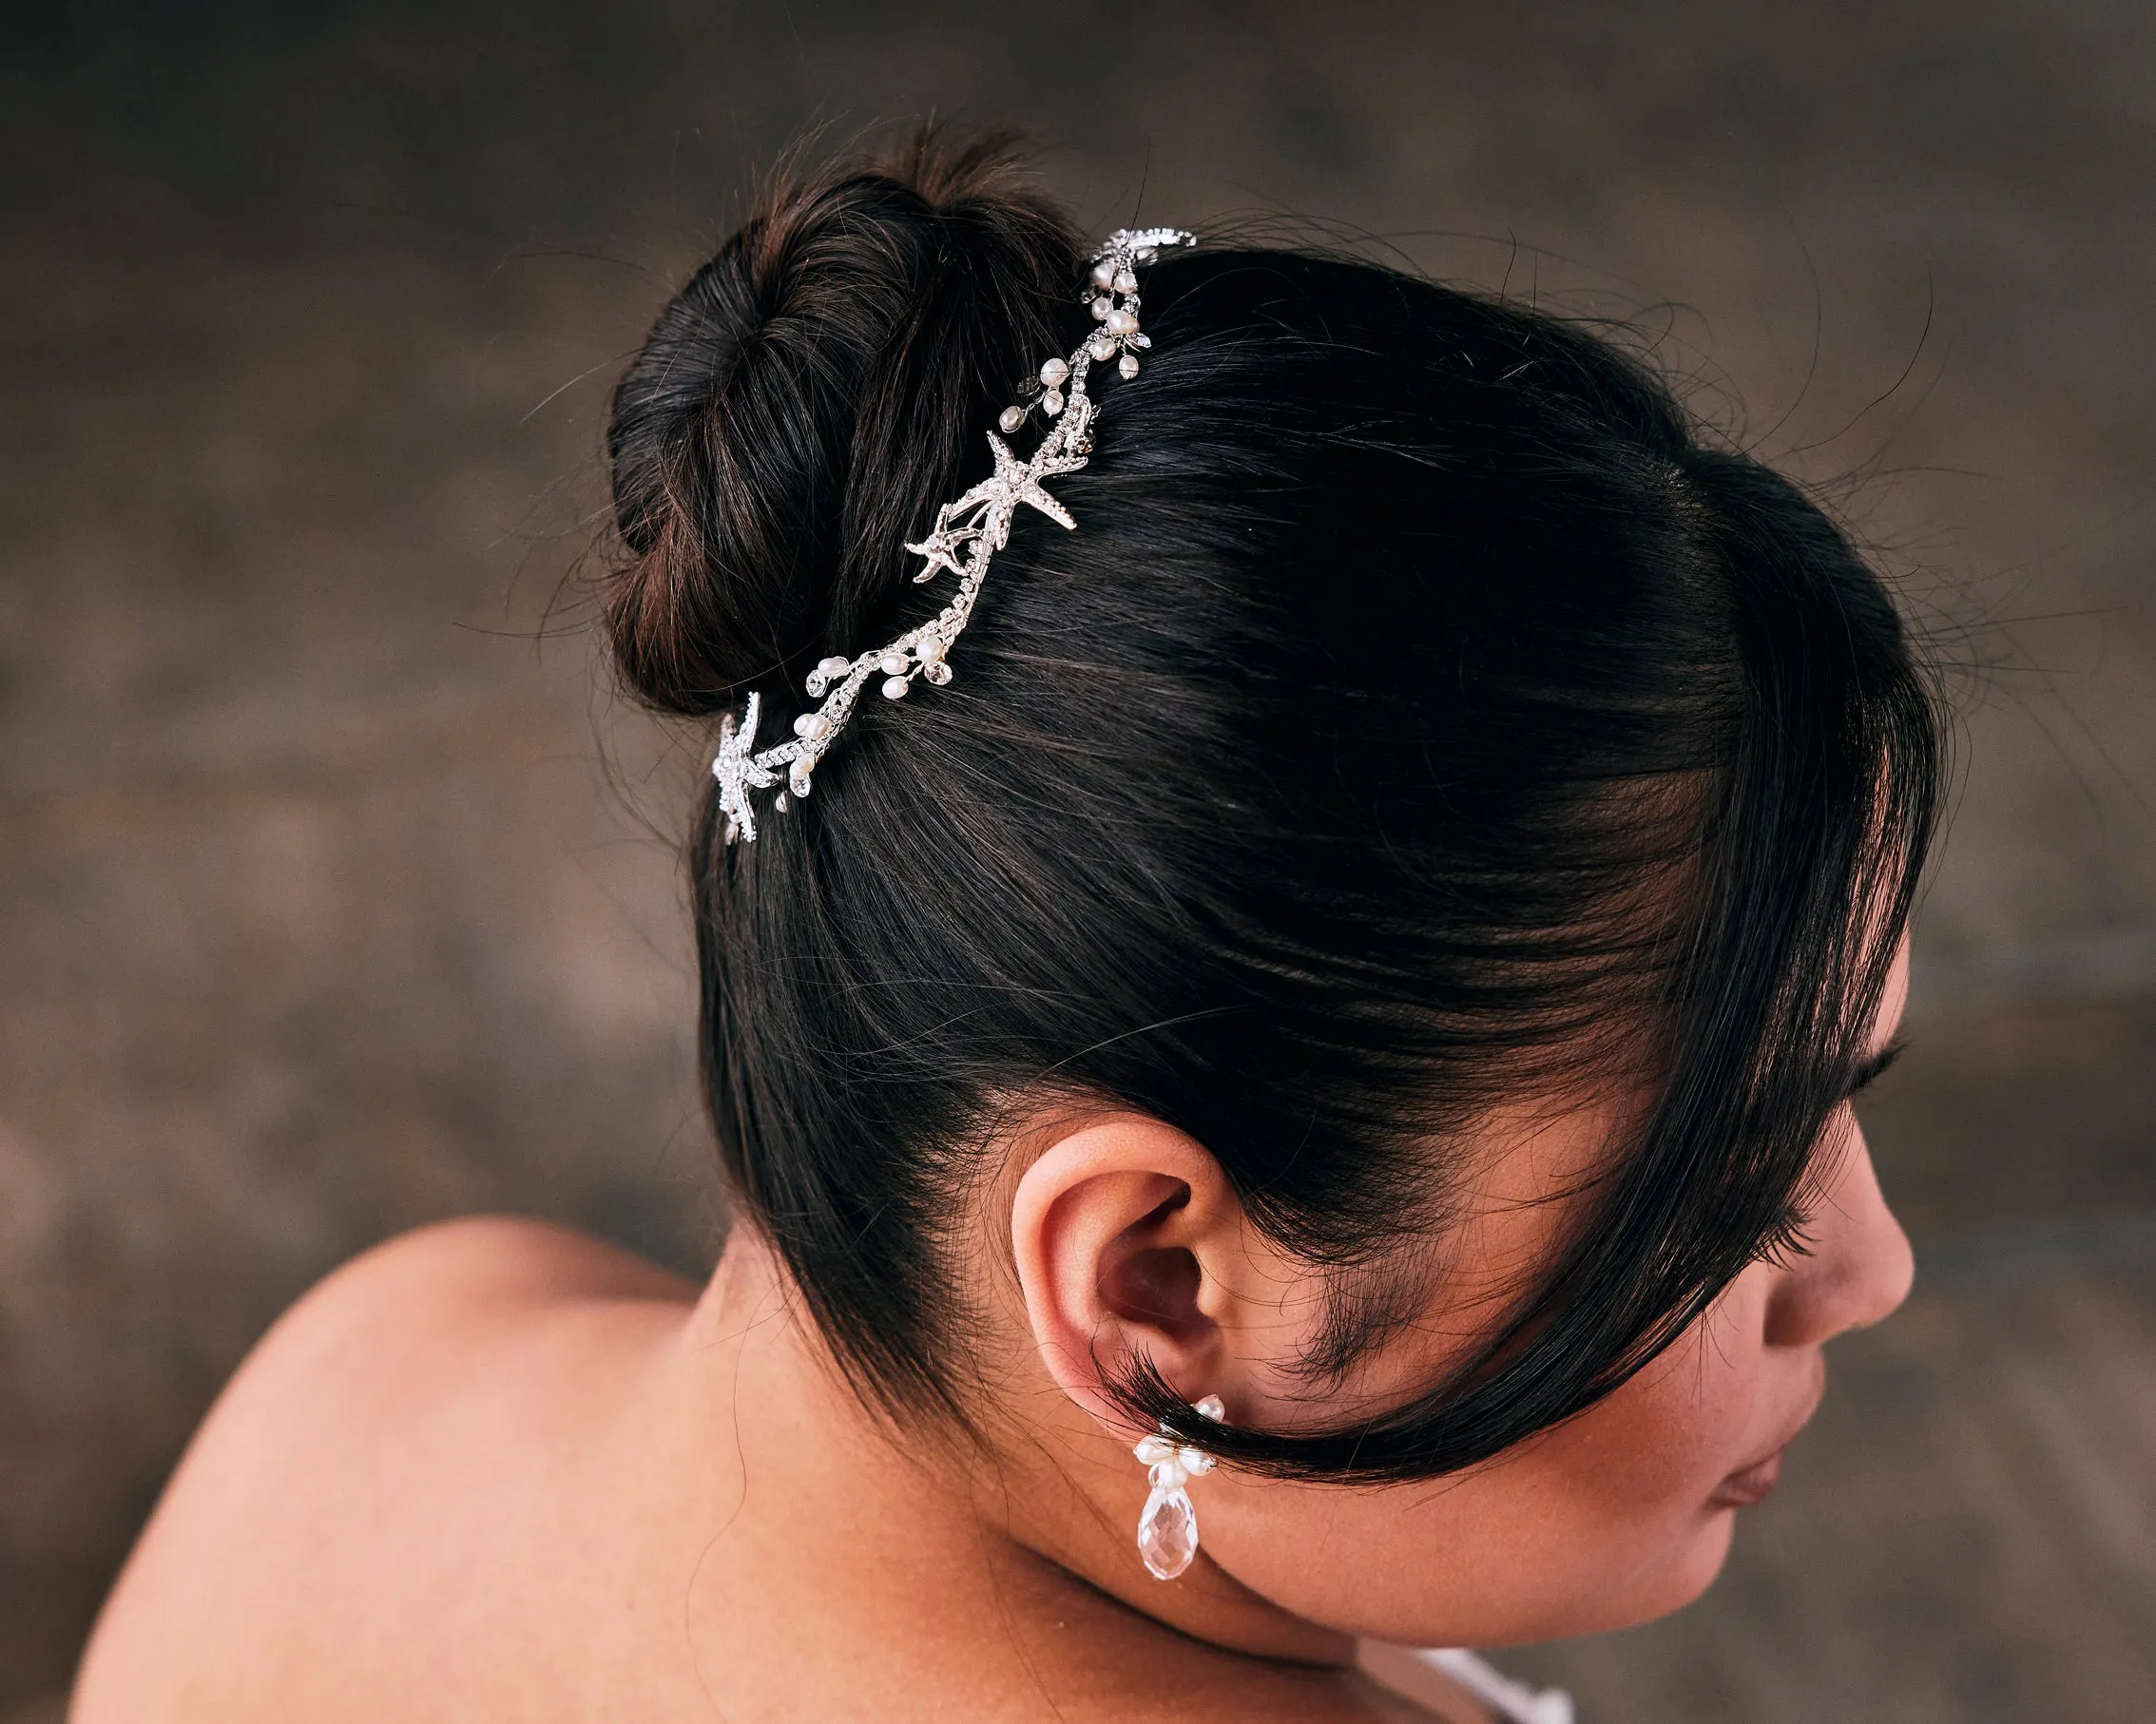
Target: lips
(1754,1485)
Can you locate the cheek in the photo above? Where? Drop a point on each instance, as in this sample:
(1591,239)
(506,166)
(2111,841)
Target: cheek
(1658,1446)
(1599,1524)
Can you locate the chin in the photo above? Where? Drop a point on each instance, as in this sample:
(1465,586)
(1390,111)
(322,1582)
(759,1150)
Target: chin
(1548,1606)
(1602,1602)
(1671,1586)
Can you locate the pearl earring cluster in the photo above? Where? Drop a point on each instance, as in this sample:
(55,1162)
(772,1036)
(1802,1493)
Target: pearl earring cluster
(1168,1530)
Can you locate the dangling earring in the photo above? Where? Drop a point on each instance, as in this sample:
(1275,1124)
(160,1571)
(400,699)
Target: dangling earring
(1168,1531)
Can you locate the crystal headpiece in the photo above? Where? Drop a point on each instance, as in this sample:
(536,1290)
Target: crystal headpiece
(968,532)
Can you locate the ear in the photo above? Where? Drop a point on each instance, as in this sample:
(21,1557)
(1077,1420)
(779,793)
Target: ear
(1129,1242)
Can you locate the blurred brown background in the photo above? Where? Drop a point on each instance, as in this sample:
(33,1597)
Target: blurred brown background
(322,912)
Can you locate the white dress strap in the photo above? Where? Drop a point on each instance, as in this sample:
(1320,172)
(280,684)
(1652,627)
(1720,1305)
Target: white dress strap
(1514,1701)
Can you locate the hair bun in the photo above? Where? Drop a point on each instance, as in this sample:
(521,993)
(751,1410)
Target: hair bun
(800,408)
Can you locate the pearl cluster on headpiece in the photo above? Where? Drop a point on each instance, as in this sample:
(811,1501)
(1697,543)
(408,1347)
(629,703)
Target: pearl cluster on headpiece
(968,534)
(1115,276)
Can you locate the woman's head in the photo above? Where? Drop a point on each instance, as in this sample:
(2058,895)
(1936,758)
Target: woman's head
(1451,815)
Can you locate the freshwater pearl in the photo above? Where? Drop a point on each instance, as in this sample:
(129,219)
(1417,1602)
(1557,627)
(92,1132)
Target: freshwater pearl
(1102,347)
(1051,403)
(1102,308)
(1103,273)
(835,667)
(813,725)
(1011,418)
(895,688)
(932,648)
(892,664)
(1125,282)
(1053,371)
(1120,323)
(1127,365)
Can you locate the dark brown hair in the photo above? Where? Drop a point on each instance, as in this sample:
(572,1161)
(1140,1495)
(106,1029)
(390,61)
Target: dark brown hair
(1304,798)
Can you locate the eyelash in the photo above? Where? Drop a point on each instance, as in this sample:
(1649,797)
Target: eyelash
(1788,1232)
(1874,1069)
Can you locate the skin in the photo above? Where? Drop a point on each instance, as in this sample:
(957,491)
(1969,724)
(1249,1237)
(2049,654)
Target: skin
(495,1469)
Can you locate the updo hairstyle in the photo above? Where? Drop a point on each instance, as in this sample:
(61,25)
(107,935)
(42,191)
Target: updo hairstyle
(1426,714)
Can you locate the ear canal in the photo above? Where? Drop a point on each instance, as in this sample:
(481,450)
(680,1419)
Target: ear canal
(1156,1284)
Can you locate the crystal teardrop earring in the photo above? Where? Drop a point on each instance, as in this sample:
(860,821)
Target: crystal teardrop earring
(1168,1531)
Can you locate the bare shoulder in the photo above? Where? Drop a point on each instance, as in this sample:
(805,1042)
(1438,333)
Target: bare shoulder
(479,1261)
(332,1430)
(422,1311)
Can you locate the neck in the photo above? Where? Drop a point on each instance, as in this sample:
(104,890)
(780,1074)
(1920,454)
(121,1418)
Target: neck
(1033,1541)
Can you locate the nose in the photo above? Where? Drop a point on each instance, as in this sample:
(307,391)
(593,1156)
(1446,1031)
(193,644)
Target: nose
(1858,1268)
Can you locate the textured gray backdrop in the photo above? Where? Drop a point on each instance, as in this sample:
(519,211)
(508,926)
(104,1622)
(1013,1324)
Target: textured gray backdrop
(320,914)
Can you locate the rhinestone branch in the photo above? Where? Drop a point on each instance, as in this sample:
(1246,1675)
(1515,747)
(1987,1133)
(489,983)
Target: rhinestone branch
(968,534)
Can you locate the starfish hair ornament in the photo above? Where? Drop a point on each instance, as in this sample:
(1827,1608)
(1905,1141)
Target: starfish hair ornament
(968,532)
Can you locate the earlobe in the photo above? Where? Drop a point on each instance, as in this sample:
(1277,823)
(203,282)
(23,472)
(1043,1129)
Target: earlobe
(1114,1227)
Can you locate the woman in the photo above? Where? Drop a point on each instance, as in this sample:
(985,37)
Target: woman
(1294,1093)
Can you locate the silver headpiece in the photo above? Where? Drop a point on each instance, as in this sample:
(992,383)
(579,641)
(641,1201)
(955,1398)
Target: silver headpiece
(968,532)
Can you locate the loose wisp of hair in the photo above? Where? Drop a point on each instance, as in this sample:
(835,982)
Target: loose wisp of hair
(1426,712)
